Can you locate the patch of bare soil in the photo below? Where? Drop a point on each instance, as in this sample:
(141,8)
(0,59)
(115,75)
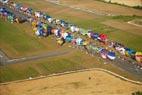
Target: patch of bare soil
(81,83)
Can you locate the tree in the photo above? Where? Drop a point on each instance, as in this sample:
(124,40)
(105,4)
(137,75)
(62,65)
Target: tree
(137,93)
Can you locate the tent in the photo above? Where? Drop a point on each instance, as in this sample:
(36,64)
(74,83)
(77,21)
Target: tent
(60,41)
(38,14)
(63,23)
(138,57)
(50,19)
(17,6)
(45,26)
(121,50)
(64,35)
(34,23)
(79,41)
(77,29)
(37,33)
(72,28)
(95,36)
(111,55)
(89,34)
(24,8)
(49,28)
(59,33)
(5,13)
(129,52)
(40,32)
(29,11)
(104,53)
(85,43)
(10,18)
(46,16)
(21,19)
(40,24)
(69,38)
(34,29)
(73,42)
(2,9)
(103,37)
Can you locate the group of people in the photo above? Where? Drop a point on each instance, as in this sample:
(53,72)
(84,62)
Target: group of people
(44,25)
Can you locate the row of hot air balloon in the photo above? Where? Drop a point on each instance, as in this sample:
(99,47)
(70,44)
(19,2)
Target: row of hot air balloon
(42,26)
(64,36)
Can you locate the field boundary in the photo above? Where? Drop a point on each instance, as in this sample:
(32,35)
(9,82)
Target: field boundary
(76,71)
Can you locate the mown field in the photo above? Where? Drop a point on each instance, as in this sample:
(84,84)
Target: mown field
(18,40)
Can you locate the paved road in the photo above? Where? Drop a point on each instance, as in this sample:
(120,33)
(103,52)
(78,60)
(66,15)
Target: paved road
(129,67)
(5,60)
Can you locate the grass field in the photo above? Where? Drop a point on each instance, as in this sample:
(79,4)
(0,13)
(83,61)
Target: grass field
(18,40)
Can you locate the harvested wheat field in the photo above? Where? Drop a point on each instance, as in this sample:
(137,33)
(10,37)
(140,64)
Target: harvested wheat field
(81,83)
(98,6)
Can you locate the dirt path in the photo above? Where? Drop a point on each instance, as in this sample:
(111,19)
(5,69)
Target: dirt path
(81,83)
